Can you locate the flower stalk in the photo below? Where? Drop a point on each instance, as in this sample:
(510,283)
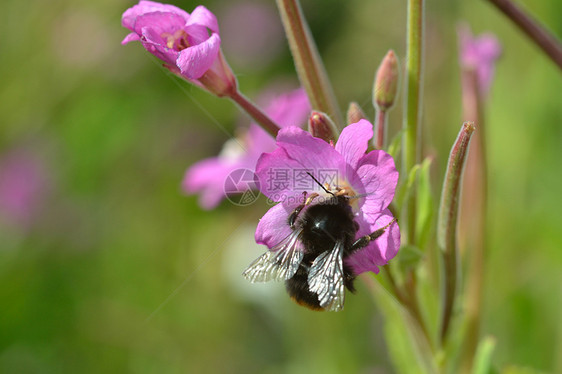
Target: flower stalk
(472,231)
(447,223)
(534,30)
(477,57)
(255,112)
(379,140)
(411,140)
(207,178)
(308,63)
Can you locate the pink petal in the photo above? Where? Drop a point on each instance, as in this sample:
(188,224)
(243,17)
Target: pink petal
(309,152)
(377,177)
(24,187)
(208,177)
(380,251)
(354,141)
(196,34)
(210,198)
(159,22)
(195,61)
(489,46)
(130,38)
(152,26)
(258,141)
(153,43)
(479,53)
(143,7)
(275,174)
(273,226)
(203,17)
(291,109)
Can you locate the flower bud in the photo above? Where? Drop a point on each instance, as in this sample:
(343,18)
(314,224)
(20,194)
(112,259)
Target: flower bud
(354,113)
(321,126)
(219,79)
(386,82)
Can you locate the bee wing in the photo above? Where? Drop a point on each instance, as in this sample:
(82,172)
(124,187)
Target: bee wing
(325,278)
(279,263)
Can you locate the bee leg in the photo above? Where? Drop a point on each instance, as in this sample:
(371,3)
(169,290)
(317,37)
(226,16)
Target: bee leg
(293,217)
(365,240)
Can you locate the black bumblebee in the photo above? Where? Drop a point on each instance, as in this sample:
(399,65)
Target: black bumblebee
(311,260)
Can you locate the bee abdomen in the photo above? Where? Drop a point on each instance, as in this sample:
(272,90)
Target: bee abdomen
(297,287)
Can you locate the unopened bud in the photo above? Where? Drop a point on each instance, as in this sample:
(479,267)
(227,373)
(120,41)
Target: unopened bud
(355,113)
(450,194)
(386,82)
(219,79)
(321,126)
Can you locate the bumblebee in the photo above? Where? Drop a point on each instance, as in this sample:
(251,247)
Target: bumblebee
(311,260)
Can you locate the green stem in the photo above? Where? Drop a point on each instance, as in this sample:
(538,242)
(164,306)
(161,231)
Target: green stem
(414,307)
(256,113)
(447,223)
(409,301)
(534,30)
(308,63)
(413,322)
(411,139)
(393,285)
(379,139)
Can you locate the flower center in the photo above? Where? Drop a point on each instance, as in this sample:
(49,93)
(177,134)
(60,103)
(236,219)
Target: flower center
(232,150)
(176,41)
(343,188)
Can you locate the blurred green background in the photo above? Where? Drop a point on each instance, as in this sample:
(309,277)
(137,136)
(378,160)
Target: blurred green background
(109,267)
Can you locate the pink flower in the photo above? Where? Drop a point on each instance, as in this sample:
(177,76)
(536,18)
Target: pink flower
(189,44)
(23,187)
(207,177)
(369,180)
(479,53)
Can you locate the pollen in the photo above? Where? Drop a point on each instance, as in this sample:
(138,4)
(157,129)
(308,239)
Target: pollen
(176,41)
(344,189)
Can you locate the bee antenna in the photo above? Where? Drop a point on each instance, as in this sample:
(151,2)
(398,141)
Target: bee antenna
(320,184)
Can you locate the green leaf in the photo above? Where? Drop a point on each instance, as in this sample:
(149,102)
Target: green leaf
(394,147)
(408,258)
(405,189)
(399,336)
(483,359)
(520,370)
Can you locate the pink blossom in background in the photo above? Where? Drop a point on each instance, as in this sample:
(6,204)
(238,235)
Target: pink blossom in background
(23,187)
(480,53)
(252,33)
(207,177)
(189,44)
(372,175)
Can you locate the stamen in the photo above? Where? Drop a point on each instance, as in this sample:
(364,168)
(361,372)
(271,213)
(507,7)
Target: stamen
(176,41)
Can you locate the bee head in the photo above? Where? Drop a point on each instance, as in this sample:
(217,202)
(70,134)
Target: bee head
(321,185)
